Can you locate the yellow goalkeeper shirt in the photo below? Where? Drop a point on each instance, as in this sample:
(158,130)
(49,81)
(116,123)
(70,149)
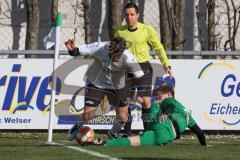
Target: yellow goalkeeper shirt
(139,41)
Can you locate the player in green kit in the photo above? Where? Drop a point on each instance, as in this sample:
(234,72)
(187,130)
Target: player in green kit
(168,119)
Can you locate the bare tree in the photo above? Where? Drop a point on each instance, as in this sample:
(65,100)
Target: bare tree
(4,11)
(178,24)
(207,22)
(0,7)
(166,37)
(218,36)
(218,41)
(31,42)
(233,24)
(211,25)
(82,10)
(54,10)
(86,17)
(114,16)
(172,15)
(200,27)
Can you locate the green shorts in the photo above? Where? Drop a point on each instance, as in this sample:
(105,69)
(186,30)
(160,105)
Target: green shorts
(161,134)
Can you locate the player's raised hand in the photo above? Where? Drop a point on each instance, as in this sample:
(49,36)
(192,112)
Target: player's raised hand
(169,71)
(70,44)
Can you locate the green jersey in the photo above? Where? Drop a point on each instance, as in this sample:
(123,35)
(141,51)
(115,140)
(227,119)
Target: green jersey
(179,114)
(159,134)
(163,133)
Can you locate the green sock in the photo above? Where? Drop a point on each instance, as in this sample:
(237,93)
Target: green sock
(119,142)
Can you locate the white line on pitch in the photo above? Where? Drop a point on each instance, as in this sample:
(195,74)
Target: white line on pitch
(92,153)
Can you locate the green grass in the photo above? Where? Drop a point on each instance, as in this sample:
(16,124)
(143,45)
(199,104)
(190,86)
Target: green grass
(22,146)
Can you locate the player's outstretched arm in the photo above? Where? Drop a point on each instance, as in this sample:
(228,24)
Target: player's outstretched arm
(201,137)
(157,46)
(72,50)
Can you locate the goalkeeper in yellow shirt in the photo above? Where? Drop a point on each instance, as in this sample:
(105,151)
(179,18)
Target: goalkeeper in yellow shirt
(139,38)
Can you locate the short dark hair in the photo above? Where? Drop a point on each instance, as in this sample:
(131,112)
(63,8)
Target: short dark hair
(164,88)
(131,5)
(117,44)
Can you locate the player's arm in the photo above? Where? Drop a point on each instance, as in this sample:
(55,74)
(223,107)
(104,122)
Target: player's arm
(87,49)
(201,137)
(159,49)
(72,50)
(197,130)
(169,108)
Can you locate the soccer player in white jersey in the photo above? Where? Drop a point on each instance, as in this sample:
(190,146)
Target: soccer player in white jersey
(106,76)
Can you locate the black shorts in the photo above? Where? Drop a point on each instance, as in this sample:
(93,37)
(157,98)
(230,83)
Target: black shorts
(143,84)
(94,96)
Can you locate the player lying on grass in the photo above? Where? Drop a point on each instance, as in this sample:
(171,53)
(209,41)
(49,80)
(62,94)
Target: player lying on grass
(168,119)
(106,76)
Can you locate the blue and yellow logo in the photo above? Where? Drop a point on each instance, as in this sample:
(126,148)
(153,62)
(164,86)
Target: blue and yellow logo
(211,66)
(19,95)
(229,87)
(22,106)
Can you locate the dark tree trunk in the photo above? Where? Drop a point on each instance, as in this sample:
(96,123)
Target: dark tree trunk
(54,10)
(178,36)
(114,16)
(211,25)
(86,17)
(166,37)
(31,42)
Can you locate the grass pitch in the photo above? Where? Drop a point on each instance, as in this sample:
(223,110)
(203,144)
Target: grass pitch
(33,146)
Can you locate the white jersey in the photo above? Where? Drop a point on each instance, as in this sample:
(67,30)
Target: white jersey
(106,74)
